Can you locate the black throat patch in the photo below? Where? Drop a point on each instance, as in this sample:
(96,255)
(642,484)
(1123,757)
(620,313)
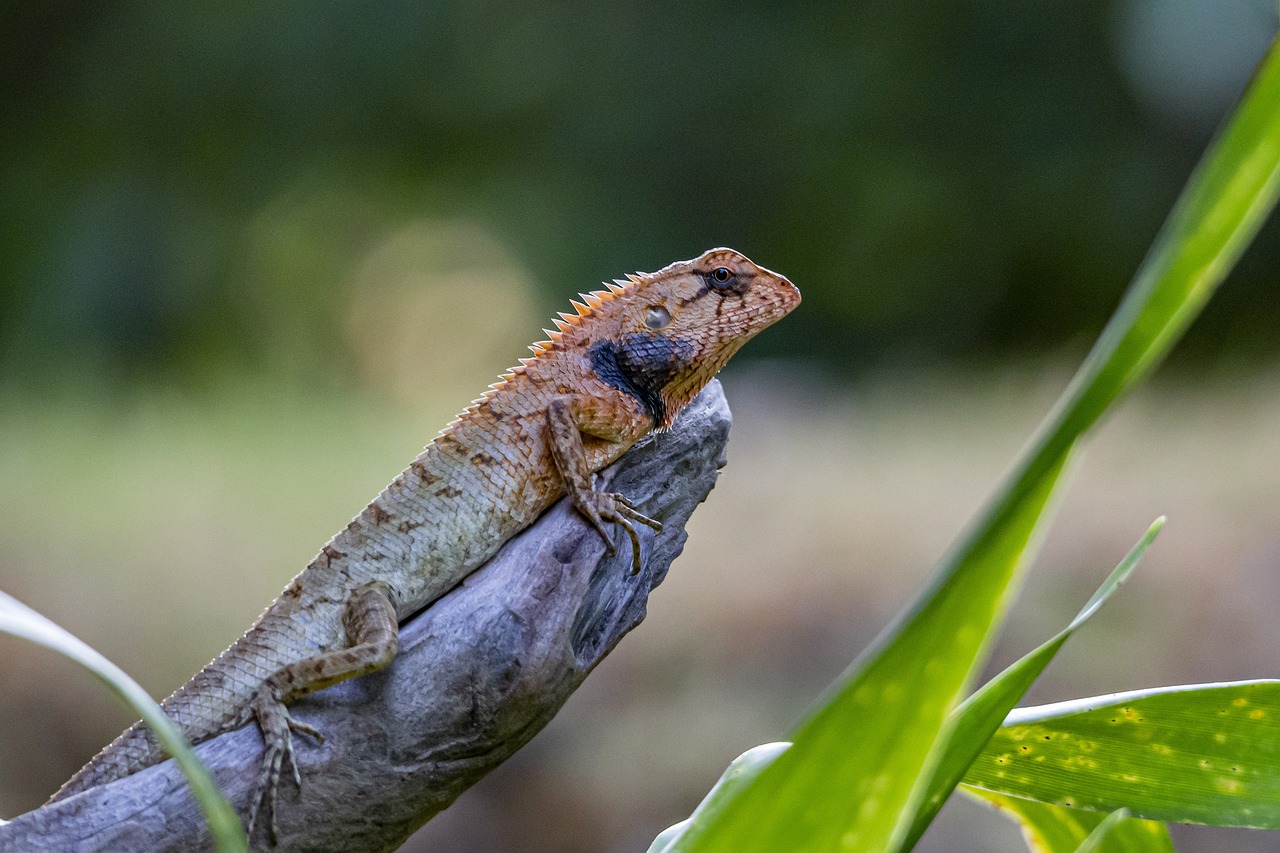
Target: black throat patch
(642,365)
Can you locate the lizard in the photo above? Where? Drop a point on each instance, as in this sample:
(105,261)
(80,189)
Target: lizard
(621,365)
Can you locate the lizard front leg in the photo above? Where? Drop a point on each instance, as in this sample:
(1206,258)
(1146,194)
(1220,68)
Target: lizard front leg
(373,634)
(568,418)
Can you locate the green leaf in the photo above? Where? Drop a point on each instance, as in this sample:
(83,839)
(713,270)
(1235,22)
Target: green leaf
(859,765)
(742,770)
(855,769)
(1205,754)
(977,719)
(982,713)
(21,621)
(1057,829)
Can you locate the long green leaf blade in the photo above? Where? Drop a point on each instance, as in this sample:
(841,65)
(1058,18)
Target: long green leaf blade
(1224,204)
(21,621)
(850,778)
(977,719)
(1205,754)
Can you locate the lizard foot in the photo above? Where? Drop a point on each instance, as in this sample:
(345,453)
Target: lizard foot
(277,726)
(600,507)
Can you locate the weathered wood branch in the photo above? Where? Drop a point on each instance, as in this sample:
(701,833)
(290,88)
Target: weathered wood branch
(479,673)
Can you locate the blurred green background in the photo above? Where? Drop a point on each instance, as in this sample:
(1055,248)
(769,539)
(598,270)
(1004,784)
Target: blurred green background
(253,255)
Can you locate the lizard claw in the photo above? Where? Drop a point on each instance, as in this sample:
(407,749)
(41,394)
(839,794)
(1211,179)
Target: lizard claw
(600,507)
(304,729)
(628,514)
(652,523)
(596,515)
(277,726)
(264,790)
(626,525)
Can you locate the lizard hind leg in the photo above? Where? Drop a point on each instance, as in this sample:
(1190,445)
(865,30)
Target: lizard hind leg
(373,635)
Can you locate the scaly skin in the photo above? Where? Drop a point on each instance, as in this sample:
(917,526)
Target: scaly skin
(623,366)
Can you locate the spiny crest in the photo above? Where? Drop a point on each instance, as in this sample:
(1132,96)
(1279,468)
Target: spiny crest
(591,302)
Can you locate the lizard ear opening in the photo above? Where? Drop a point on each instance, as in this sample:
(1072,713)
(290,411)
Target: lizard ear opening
(657,317)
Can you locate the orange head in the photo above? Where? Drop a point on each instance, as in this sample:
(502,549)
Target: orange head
(661,336)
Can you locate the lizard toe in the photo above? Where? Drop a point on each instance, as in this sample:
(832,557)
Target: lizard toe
(626,525)
(304,729)
(264,791)
(636,515)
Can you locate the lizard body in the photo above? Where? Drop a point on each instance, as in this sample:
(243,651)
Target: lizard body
(622,366)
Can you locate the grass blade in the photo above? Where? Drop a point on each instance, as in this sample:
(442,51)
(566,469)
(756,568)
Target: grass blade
(21,621)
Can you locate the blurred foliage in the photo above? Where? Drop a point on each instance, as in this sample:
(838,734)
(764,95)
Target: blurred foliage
(190,187)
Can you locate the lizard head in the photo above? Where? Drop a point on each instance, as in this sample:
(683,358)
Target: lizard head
(662,336)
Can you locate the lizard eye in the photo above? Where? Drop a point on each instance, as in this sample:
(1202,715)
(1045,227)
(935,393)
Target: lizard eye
(657,317)
(721,275)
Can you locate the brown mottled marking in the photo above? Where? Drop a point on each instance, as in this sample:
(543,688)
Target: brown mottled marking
(212,679)
(331,553)
(407,525)
(294,589)
(380,515)
(424,476)
(449,441)
(448,492)
(686,301)
(483,459)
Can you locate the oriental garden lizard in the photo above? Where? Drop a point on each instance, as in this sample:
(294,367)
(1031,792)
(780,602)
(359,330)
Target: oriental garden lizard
(619,367)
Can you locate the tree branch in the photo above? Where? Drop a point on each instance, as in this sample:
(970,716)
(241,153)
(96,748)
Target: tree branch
(479,673)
